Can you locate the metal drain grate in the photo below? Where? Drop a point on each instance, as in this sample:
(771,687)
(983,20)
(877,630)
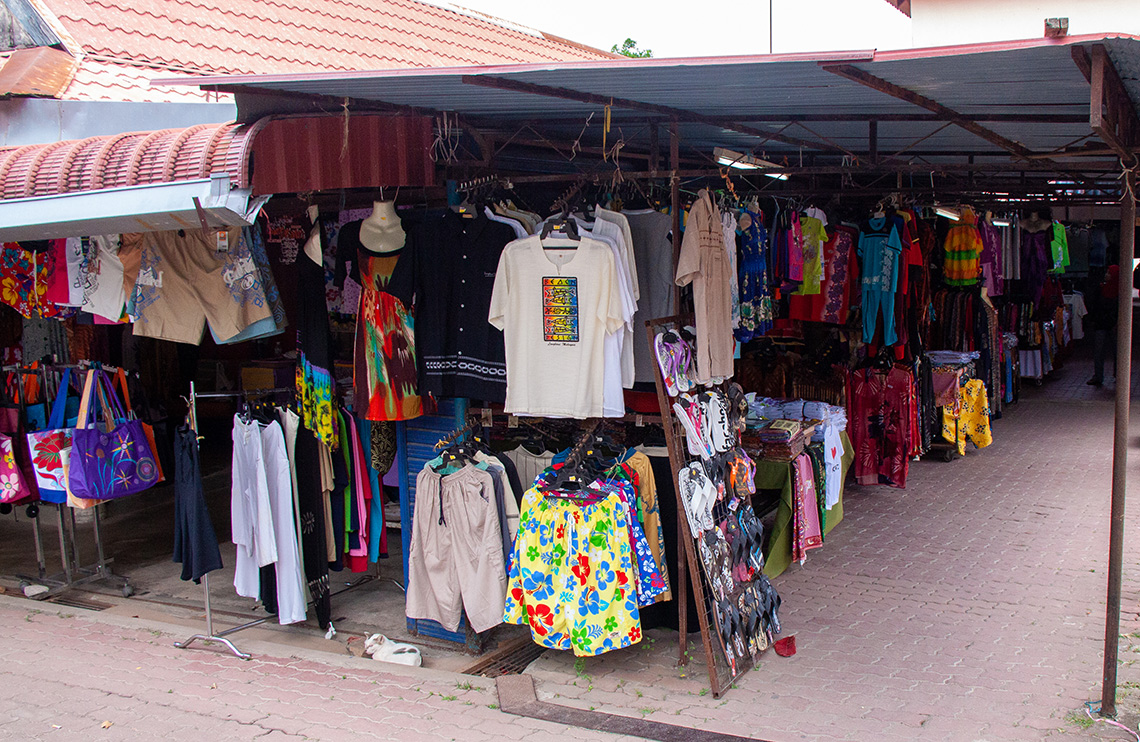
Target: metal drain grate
(508,660)
(75,601)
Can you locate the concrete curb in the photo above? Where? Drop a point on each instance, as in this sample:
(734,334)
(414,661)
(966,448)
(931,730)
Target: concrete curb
(517,697)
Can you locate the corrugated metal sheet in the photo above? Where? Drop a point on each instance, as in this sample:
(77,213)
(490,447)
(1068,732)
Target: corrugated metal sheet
(41,71)
(1009,78)
(310,153)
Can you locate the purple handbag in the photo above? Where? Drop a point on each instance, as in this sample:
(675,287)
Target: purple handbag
(113,461)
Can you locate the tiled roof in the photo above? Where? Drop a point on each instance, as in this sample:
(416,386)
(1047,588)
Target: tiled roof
(284,36)
(121,160)
(123,82)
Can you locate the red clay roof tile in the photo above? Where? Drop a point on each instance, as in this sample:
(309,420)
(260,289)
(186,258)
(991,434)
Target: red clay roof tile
(281,36)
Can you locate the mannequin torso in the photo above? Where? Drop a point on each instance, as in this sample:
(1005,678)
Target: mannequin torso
(381,231)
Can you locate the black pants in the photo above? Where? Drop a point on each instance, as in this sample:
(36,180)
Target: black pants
(1104,344)
(314,552)
(195,544)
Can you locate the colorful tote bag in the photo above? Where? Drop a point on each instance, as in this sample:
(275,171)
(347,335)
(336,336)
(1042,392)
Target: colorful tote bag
(51,448)
(13,488)
(115,460)
(121,377)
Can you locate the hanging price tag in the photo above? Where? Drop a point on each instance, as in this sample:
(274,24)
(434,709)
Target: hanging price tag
(223,241)
(512,422)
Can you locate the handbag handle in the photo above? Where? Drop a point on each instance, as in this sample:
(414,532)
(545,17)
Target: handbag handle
(59,407)
(85,400)
(121,377)
(110,400)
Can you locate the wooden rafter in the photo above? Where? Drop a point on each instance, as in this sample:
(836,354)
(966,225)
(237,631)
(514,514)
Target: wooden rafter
(896,91)
(1112,114)
(499,83)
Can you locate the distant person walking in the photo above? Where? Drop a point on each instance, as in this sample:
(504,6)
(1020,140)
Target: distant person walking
(1102,313)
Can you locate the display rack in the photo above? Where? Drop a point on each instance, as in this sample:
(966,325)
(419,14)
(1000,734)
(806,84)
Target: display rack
(220,636)
(74,573)
(721,675)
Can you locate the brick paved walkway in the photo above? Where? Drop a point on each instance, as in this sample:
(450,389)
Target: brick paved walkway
(967,607)
(63,675)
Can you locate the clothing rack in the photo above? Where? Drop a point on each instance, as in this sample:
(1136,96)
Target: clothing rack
(74,573)
(457,434)
(220,636)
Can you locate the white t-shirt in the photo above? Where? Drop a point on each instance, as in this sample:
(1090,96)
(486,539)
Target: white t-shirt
(555,308)
(250,514)
(104,294)
(619,344)
(291,600)
(623,261)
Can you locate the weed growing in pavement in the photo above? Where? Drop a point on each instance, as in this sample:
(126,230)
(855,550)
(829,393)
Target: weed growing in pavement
(448,698)
(493,706)
(704,692)
(639,694)
(32,612)
(1078,719)
(470,686)
(646,711)
(580,668)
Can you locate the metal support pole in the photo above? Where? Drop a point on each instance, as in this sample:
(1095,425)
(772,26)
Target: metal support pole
(73,534)
(39,545)
(101,566)
(675,205)
(64,557)
(1119,445)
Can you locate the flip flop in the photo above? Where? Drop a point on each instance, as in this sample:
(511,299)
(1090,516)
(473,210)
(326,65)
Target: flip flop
(691,481)
(721,435)
(771,600)
(753,535)
(667,362)
(691,414)
(725,629)
(738,545)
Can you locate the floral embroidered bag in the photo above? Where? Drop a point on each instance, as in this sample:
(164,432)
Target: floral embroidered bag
(13,488)
(114,460)
(51,448)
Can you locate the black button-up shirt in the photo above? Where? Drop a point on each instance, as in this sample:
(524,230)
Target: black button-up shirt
(447,271)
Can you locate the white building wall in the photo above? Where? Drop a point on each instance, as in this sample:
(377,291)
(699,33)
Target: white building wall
(946,22)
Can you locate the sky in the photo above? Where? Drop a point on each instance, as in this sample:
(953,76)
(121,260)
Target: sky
(712,27)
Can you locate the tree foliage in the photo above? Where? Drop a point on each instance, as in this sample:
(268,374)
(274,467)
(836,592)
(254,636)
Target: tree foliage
(628,48)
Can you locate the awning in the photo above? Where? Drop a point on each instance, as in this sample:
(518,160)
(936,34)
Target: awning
(191,204)
(148,180)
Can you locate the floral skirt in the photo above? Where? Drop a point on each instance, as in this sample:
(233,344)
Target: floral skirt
(572,576)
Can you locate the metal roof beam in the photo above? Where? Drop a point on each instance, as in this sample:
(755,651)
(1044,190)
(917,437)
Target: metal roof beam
(502,83)
(895,91)
(1014,118)
(1112,114)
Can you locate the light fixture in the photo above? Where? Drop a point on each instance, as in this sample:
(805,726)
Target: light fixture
(741,161)
(947,213)
(1001,222)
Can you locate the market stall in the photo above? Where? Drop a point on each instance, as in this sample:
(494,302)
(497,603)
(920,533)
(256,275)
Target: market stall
(454,279)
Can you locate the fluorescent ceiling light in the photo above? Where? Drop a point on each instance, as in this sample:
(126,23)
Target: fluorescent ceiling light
(948,213)
(741,161)
(1001,222)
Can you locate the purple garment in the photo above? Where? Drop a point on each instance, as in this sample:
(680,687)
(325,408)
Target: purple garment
(990,259)
(1035,262)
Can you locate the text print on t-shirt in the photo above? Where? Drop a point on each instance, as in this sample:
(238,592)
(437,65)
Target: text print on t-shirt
(560,309)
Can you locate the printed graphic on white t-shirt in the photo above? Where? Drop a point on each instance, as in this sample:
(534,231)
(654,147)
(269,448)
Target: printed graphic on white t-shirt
(560,309)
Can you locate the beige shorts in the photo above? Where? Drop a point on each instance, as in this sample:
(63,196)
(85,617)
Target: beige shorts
(456,561)
(184,281)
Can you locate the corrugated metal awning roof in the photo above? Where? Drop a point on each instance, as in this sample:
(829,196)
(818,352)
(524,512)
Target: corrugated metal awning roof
(996,83)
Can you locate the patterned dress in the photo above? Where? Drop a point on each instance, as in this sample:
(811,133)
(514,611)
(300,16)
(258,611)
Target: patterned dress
(385,363)
(755,300)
